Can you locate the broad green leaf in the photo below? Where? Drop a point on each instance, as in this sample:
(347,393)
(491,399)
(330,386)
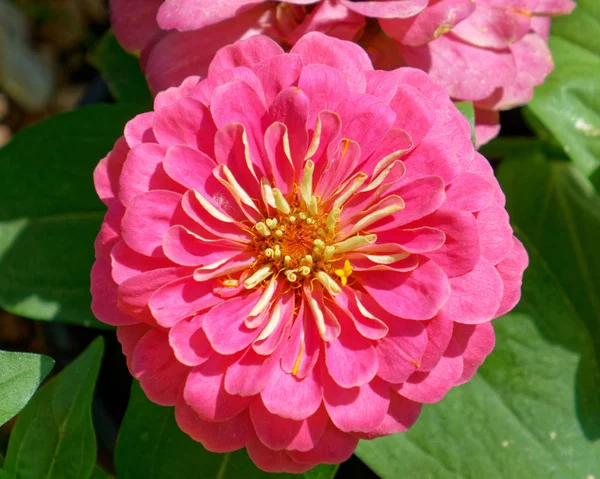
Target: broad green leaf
(20,375)
(568,103)
(99,473)
(559,210)
(54,437)
(121,71)
(151,446)
(532,410)
(50,214)
(468,111)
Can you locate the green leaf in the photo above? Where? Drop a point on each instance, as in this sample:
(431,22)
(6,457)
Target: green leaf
(20,375)
(54,437)
(50,214)
(121,71)
(468,111)
(559,210)
(532,411)
(568,104)
(99,473)
(151,446)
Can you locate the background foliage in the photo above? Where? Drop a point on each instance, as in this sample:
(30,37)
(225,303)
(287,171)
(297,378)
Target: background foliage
(533,409)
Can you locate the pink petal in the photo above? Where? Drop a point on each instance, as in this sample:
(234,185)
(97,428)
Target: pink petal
(250,374)
(351,358)
(205,393)
(365,119)
(104,296)
(325,87)
(369,326)
(334,447)
(467,71)
(399,354)
(106,174)
(387,9)
(511,271)
(143,172)
(172,95)
(148,219)
(189,167)
(439,333)
(277,73)
(555,7)
(303,345)
(487,126)
(421,197)
(431,158)
(401,416)
(480,166)
(477,342)
(495,233)
(224,324)
(286,303)
(461,250)
(222,436)
(245,53)
(135,292)
(177,55)
(475,295)
(493,27)
(359,409)
(416,241)
(180,299)
(290,397)
(189,342)
(134,22)
(194,14)
(156,368)
(346,57)
(279,433)
(126,263)
(187,122)
(429,23)
(274,461)
(110,231)
(431,387)
(139,129)
(416,295)
(469,192)
(281,167)
(291,107)
(415,115)
(129,336)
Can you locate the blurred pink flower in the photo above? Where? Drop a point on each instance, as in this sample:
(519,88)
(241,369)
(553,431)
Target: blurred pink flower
(300,251)
(491,52)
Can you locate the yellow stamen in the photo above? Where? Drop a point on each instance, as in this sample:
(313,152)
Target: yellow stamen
(344,273)
(354,242)
(332,219)
(259,276)
(263,229)
(280,202)
(306,183)
(328,283)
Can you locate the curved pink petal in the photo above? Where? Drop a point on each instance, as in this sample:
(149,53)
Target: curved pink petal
(274,461)
(401,415)
(419,294)
(245,53)
(129,336)
(357,409)
(439,333)
(511,270)
(126,263)
(431,158)
(106,174)
(138,130)
(430,387)
(435,20)
(325,87)
(154,365)
(277,73)
(280,433)
(290,397)
(222,436)
(387,9)
(194,14)
(414,113)
(250,374)
(104,296)
(469,192)
(495,233)
(477,342)
(301,350)
(205,393)
(348,58)
(148,219)
(334,447)
(475,295)
(189,342)
(134,22)
(487,126)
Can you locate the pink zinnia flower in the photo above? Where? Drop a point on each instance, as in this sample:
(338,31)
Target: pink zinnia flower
(300,251)
(491,52)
